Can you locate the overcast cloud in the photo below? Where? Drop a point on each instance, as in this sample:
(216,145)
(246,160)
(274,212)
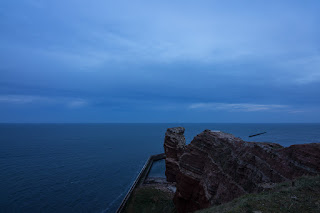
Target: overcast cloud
(164,61)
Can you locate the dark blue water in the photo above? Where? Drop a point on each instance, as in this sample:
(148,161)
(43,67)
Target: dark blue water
(158,169)
(89,167)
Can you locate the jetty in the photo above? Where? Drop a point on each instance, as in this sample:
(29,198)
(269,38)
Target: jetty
(257,134)
(143,174)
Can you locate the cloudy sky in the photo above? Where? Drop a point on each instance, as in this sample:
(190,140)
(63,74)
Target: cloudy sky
(159,61)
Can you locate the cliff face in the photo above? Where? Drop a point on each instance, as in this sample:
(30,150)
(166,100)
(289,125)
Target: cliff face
(217,167)
(174,144)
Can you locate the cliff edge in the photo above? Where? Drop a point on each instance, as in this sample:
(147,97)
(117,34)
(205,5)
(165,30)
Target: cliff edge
(217,167)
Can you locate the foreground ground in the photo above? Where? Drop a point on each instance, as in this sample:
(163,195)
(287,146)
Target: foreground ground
(150,199)
(303,197)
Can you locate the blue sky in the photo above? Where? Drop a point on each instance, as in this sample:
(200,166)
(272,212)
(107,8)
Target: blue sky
(159,61)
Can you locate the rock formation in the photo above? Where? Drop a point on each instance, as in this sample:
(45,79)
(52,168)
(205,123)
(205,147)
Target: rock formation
(217,167)
(174,144)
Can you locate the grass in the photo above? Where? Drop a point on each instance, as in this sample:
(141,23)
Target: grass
(303,197)
(148,199)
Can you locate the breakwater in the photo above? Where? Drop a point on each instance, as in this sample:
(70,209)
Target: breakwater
(143,174)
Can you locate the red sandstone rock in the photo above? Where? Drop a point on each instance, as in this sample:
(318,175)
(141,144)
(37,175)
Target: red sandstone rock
(217,167)
(174,144)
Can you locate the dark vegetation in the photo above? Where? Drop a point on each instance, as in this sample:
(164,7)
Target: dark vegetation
(304,196)
(149,199)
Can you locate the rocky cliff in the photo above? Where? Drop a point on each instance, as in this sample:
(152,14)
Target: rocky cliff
(217,167)
(174,146)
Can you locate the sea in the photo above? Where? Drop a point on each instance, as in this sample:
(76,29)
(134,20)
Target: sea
(90,167)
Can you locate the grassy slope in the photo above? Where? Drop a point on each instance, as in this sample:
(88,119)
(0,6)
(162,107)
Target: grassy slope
(147,199)
(304,197)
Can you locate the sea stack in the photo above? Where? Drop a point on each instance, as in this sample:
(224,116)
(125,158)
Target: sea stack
(217,167)
(174,144)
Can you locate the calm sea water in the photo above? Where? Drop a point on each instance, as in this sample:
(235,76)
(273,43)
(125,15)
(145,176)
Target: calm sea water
(89,167)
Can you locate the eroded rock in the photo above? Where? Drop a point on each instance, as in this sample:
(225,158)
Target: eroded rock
(174,144)
(217,167)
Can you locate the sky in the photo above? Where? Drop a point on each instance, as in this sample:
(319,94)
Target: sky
(162,61)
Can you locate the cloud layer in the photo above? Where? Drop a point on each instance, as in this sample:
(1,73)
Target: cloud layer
(125,58)
(237,107)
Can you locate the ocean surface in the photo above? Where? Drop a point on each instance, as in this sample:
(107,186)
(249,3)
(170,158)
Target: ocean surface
(90,167)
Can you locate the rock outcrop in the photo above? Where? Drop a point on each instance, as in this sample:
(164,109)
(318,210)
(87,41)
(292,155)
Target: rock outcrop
(217,167)
(174,144)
